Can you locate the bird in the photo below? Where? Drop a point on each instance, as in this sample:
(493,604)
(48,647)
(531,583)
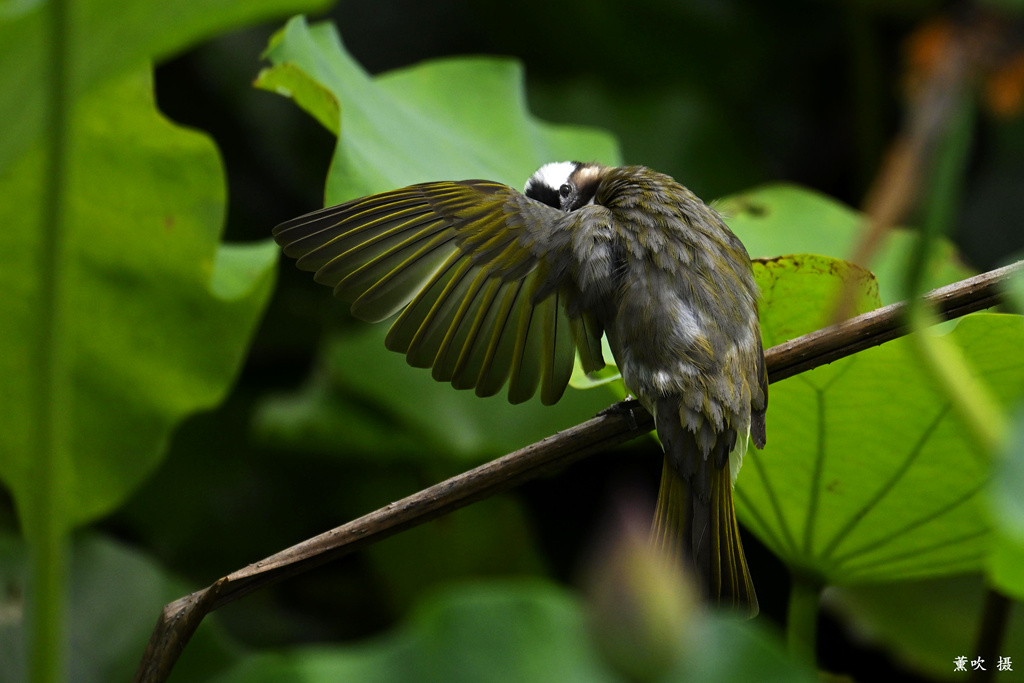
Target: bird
(493,286)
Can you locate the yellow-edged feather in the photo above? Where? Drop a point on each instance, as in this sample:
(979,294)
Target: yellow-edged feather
(461,263)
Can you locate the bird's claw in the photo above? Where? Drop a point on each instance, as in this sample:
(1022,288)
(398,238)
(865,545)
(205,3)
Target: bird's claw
(623,407)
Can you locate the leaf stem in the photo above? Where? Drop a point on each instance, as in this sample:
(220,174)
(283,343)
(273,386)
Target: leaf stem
(45,533)
(995,619)
(802,621)
(48,578)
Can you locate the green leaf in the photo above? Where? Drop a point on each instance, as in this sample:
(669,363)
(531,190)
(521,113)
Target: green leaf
(445,119)
(512,631)
(800,292)
(868,476)
(289,80)
(787,219)
(608,375)
(157,316)
(115,595)
(108,39)
(729,649)
(1013,288)
(122,314)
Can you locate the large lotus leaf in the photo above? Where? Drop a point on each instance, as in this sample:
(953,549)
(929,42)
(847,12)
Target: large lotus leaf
(153,315)
(106,39)
(115,594)
(797,292)
(868,476)
(511,631)
(787,219)
(445,119)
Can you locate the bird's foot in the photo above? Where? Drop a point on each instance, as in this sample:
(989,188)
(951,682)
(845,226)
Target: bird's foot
(623,408)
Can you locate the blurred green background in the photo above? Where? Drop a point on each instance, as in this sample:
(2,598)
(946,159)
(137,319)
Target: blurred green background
(725,95)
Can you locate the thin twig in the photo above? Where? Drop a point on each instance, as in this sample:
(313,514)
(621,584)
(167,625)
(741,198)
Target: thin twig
(618,424)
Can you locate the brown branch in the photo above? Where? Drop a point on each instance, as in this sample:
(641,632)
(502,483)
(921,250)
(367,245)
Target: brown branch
(882,324)
(618,424)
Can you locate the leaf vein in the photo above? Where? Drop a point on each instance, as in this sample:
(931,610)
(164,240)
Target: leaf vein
(885,540)
(887,486)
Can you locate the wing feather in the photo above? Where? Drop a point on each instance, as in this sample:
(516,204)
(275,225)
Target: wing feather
(587,333)
(527,350)
(352,252)
(470,363)
(470,266)
(382,287)
(497,362)
(459,328)
(318,239)
(559,353)
(427,341)
(404,329)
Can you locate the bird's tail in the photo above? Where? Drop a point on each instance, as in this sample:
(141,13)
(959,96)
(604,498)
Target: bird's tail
(695,519)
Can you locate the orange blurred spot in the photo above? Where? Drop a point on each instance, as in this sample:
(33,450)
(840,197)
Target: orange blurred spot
(1004,88)
(926,47)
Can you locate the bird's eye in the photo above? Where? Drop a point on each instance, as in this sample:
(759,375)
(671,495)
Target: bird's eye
(565,190)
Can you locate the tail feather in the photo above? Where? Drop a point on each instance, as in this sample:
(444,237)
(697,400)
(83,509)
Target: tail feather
(730,576)
(695,520)
(670,518)
(699,504)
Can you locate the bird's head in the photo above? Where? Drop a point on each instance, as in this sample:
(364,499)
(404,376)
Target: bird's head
(565,185)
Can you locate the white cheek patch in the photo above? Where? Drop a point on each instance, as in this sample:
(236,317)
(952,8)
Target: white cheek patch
(553,175)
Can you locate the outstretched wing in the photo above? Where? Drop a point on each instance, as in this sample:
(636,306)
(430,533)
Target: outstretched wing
(480,269)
